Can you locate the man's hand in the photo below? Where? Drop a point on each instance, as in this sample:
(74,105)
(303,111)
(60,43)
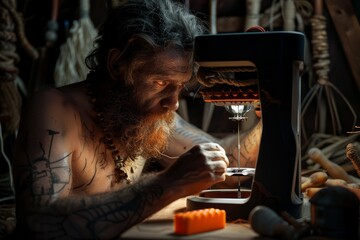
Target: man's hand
(199,168)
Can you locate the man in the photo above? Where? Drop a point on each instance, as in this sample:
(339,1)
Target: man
(81,148)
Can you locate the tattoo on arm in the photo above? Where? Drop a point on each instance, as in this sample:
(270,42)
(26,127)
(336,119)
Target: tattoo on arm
(197,136)
(102,216)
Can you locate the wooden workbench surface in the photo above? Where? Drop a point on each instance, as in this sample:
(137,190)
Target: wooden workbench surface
(160,226)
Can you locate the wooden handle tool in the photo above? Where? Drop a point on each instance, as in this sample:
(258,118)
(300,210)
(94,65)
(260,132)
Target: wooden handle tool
(316,179)
(333,169)
(335,182)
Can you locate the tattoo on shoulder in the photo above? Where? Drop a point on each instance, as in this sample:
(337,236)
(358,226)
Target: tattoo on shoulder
(44,176)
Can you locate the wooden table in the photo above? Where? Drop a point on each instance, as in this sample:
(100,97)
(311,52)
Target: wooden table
(160,226)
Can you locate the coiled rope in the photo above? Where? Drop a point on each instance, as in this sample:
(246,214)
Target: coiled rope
(209,77)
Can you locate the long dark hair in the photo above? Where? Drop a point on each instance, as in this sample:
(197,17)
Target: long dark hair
(140,28)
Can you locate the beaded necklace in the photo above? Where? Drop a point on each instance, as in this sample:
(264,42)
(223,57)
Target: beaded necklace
(120,173)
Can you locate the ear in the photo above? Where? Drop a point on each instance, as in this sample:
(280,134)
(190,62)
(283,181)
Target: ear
(113,66)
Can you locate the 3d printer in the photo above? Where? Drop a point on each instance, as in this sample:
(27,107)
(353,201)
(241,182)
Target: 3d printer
(257,69)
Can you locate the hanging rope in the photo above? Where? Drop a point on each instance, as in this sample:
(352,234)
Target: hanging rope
(209,77)
(290,15)
(323,90)
(11,33)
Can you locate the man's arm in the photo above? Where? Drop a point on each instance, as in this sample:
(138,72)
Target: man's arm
(187,135)
(249,146)
(47,208)
(42,158)
(46,204)
(101,216)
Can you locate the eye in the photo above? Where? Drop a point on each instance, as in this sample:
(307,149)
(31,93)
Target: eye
(161,83)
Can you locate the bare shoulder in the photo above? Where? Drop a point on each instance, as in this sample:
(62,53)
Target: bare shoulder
(45,144)
(48,111)
(49,99)
(51,107)
(50,132)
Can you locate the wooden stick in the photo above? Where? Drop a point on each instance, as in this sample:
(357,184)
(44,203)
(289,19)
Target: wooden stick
(348,30)
(252,13)
(334,170)
(289,14)
(316,179)
(318,7)
(335,182)
(338,145)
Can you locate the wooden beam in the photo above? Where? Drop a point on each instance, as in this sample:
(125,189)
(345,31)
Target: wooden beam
(348,29)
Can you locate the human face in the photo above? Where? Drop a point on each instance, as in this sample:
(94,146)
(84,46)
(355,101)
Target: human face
(141,116)
(158,82)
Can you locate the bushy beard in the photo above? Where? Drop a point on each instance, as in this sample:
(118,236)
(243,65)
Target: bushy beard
(137,131)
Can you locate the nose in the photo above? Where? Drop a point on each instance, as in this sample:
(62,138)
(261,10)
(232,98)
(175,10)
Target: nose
(171,102)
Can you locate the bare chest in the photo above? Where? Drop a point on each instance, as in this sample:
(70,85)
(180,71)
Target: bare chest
(93,168)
